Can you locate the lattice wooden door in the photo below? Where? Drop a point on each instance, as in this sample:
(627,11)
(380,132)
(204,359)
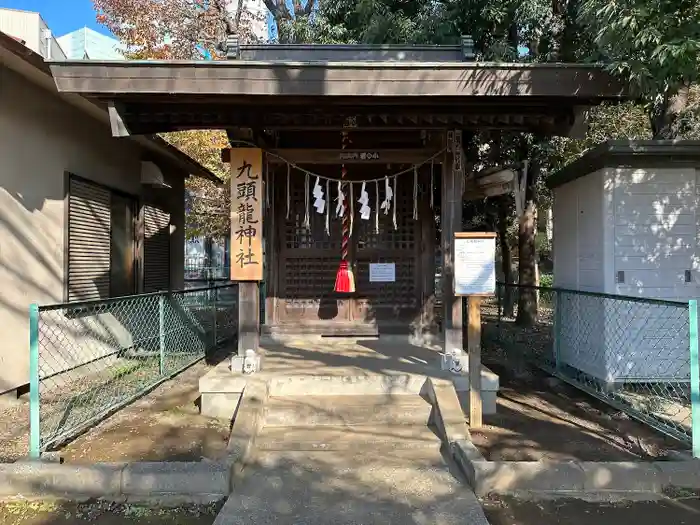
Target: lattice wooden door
(308,262)
(388,303)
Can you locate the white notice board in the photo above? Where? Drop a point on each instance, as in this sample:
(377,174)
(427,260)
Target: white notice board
(382,272)
(475,264)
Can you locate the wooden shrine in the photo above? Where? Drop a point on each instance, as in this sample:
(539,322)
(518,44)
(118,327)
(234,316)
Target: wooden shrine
(357,121)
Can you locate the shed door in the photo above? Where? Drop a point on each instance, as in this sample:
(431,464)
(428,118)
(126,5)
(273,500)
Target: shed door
(156,249)
(89,224)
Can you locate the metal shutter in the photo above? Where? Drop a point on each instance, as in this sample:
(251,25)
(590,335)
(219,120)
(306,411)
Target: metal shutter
(156,249)
(88,254)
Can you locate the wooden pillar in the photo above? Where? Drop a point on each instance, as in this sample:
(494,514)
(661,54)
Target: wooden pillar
(247,203)
(248,316)
(271,245)
(427,262)
(474,349)
(451,222)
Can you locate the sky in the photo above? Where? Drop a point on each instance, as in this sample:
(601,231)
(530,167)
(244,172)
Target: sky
(62,16)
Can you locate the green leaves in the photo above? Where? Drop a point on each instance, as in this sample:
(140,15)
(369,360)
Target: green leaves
(655,45)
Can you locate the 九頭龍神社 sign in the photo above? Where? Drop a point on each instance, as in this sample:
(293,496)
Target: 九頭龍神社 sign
(246,214)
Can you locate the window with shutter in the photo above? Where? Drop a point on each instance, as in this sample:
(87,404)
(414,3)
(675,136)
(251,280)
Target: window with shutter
(89,224)
(156,248)
(101,244)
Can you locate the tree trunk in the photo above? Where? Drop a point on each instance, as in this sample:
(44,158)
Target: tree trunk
(239,12)
(527,227)
(664,117)
(506,256)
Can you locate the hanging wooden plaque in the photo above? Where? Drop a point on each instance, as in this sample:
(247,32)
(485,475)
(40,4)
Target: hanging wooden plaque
(247,201)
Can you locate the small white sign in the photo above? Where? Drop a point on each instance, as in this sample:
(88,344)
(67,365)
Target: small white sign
(475,266)
(382,272)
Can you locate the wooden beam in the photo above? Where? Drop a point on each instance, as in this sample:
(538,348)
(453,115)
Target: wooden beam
(352,156)
(586,83)
(116,120)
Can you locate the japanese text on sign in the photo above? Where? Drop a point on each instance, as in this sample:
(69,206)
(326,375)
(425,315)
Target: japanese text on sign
(246,214)
(382,272)
(475,264)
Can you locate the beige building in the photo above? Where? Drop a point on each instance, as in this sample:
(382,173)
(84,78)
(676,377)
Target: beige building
(82,215)
(30,28)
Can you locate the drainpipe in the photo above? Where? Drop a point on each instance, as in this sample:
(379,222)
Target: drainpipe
(48,37)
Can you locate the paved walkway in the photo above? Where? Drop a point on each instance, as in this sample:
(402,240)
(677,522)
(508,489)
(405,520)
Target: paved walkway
(350,459)
(325,488)
(349,357)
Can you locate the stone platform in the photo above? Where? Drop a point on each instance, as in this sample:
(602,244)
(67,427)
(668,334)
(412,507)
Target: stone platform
(330,366)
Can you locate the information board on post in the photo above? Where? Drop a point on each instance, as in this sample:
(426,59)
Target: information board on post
(246,214)
(475,264)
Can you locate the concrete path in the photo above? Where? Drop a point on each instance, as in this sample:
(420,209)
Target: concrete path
(349,460)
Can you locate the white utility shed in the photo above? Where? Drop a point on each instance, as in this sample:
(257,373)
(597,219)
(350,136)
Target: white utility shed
(626,223)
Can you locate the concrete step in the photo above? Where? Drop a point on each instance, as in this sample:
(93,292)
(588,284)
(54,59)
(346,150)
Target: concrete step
(346,410)
(347,385)
(345,437)
(289,488)
(424,457)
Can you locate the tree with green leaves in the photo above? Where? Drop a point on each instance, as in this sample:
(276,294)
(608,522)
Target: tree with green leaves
(655,46)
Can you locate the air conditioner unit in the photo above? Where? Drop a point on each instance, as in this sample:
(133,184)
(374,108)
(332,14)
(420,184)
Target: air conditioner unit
(152,176)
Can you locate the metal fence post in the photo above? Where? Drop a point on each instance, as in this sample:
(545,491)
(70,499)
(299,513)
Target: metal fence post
(557,329)
(213,321)
(34,420)
(694,377)
(500,290)
(161,332)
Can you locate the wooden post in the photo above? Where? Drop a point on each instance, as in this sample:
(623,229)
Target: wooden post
(248,316)
(451,222)
(474,349)
(247,202)
(475,277)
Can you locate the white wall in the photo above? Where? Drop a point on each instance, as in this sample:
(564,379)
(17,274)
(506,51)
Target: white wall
(642,222)
(31,28)
(577,241)
(49,47)
(656,232)
(24,25)
(42,137)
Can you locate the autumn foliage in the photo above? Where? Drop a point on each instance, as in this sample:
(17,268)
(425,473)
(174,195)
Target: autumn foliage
(184,30)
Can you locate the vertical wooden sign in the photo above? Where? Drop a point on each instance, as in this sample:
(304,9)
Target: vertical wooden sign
(246,214)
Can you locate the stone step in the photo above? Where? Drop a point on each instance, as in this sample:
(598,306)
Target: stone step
(421,457)
(347,385)
(345,437)
(346,410)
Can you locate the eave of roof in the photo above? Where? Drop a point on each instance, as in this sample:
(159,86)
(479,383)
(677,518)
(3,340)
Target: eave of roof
(410,80)
(153,143)
(617,153)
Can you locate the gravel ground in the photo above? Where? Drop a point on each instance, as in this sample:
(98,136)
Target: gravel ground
(677,510)
(163,425)
(104,513)
(14,429)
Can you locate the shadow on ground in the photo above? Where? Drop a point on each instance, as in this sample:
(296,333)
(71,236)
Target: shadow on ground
(509,511)
(164,425)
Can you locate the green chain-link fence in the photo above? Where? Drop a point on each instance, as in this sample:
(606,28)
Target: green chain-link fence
(89,359)
(198,275)
(632,353)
